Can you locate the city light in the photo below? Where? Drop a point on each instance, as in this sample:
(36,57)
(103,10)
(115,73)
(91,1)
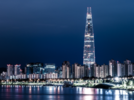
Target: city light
(117,79)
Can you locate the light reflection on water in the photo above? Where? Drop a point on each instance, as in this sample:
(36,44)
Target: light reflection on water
(59,93)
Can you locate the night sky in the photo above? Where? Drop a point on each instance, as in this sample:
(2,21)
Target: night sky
(52,31)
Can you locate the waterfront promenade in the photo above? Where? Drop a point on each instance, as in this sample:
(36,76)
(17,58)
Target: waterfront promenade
(118,83)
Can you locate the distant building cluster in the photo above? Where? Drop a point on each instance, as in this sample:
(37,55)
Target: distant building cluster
(49,71)
(46,71)
(114,69)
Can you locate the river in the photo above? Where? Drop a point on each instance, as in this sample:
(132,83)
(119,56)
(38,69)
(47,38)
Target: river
(16,92)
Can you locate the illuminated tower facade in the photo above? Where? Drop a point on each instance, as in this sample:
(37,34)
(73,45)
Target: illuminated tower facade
(89,48)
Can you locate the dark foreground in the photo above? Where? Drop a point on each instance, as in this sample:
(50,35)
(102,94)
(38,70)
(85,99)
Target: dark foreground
(9,92)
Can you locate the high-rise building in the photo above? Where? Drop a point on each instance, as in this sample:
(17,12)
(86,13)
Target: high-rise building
(29,68)
(17,69)
(49,68)
(123,69)
(60,74)
(74,68)
(112,68)
(9,70)
(128,68)
(34,68)
(120,69)
(133,68)
(97,72)
(66,69)
(79,71)
(89,47)
(103,71)
(38,68)
(59,71)
(93,70)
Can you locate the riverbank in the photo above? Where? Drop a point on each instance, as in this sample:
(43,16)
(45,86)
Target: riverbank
(17,83)
(36,85)
(120,87)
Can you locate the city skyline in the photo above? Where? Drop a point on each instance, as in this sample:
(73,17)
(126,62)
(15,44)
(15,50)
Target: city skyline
(43,35)
(66,49)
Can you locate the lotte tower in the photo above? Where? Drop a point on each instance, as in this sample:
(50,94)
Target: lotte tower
(89,47)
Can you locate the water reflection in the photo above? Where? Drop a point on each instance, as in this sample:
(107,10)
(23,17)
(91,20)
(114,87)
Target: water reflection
(58,89)
(38,89)
(30,89)
(89,91)
(60,93)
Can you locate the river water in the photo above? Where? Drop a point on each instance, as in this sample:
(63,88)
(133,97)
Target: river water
(9,92)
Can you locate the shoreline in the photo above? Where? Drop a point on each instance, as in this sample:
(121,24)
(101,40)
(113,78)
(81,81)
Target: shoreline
(69,87)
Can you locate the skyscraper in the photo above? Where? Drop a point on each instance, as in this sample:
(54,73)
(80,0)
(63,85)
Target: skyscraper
(17,69)
(29,68)
(128,68)
(112,68)
(49,68)
(89,48)
(9,69)
(120,69)
(79,71)
(65,69)
(38,68)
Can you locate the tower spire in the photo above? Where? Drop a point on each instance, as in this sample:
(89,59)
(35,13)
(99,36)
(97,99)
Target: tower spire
(89,48)
(88,10)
